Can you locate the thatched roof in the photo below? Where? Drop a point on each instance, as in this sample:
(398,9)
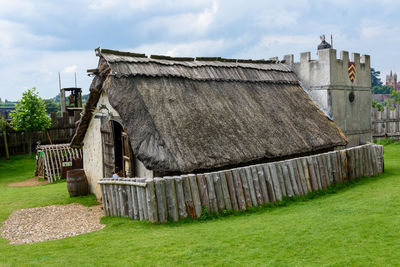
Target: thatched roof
(184,115)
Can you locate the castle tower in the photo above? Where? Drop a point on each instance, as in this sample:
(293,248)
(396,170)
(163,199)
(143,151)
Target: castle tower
(391,80)
(327,81)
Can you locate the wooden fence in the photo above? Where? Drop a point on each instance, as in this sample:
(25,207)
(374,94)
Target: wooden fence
(386,123)
(177,197)
(50,158)
(61,131)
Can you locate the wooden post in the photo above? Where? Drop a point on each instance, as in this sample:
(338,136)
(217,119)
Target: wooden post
(381,158)
(151,201)
(312,172)
(231,188)
(195,194)
(286,178)
(334,166)
(218,192)
(274,177)
(369,160)
(358,158)
(350,163)
(302,176)
(328,168)
(322,171)
(162,206)
(211,192)
(6,143)
(306,174)
(180,196)
(104,200)
(122,201)
(161,197)
(281,179)
(225,191)
(135,203)
(239,189)
(202,185)
(292,177)
(129,201)
(172,203)
(296,175)
(245,185)
(113,189)
(263,185)
(268,181)
(317,171)
(251,186)
(188,196)
(344,165)
(143,197)
(257,186)
(373,160)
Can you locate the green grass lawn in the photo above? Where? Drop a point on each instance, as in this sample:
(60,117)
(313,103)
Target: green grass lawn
(358,225)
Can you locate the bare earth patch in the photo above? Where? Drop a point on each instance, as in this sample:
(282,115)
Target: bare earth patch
(31,182)
(51,222)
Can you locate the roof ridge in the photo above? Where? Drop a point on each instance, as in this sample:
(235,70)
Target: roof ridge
(121,53)
(210,59)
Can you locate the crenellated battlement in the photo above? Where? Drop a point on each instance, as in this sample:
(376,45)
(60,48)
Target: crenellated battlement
(329,70)
(330,54)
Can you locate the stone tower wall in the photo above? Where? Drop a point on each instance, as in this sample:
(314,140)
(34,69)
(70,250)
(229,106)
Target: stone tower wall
(327,81)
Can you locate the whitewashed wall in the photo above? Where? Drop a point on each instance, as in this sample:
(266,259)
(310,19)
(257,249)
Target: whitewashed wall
(92,150)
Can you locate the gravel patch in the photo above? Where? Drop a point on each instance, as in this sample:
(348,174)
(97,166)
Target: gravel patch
(51,222)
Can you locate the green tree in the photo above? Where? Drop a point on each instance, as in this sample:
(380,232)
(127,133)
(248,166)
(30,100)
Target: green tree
(51,105)
(30,115)
(382,89)
(375,79)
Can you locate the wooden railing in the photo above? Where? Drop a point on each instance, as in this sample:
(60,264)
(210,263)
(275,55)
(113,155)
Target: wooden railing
(179,197)
(386,123)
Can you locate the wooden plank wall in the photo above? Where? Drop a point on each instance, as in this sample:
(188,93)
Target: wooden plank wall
(61,131)
(178,197)
(386,123)
(49,159)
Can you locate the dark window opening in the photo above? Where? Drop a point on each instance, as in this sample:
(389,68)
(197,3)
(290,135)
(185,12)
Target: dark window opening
(117,129)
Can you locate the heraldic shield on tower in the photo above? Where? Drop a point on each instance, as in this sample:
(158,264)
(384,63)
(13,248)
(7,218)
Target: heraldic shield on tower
(352,71)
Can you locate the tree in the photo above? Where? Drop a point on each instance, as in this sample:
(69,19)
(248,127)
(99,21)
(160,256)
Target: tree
(382,89)
(30,115)
(375,79)
(51,105)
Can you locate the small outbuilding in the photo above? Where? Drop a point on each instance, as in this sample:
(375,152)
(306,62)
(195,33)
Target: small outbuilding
(160,115)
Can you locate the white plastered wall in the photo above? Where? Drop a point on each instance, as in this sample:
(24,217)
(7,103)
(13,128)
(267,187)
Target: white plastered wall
(92,149)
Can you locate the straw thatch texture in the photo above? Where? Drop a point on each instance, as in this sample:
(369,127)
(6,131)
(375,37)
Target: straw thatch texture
(184,116)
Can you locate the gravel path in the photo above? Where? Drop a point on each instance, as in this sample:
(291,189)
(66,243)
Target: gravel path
(51,222)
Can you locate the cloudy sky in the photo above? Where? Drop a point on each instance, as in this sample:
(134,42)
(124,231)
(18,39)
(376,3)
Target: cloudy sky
(40,38)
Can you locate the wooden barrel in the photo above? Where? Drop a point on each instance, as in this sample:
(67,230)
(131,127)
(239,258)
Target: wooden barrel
(77,183)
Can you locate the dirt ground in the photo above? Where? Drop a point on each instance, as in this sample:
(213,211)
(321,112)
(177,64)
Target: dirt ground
(31,182)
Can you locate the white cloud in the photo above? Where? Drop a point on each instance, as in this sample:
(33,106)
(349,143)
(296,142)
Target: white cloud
(14,35)
(70,69)
(30,68)
(184,23)
(190,49)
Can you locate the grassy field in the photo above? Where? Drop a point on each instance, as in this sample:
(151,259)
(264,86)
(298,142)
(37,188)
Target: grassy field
(358,225)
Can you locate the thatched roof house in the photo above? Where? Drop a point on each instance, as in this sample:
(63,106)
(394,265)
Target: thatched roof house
(185,115)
